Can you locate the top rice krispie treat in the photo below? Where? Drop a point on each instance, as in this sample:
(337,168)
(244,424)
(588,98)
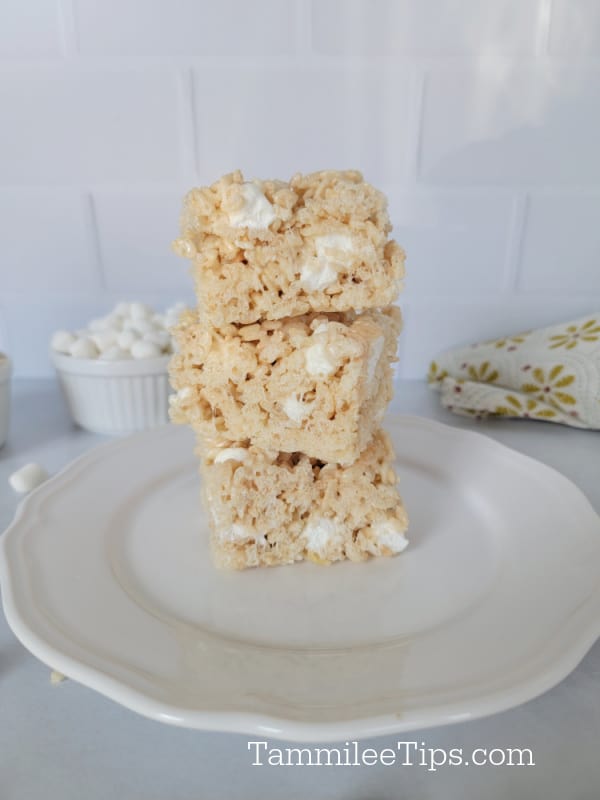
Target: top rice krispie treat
(269,249)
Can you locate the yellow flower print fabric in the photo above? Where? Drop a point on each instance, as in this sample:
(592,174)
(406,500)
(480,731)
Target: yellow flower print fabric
(552,374)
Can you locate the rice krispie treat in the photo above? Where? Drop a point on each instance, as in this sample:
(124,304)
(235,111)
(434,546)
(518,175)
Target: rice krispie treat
(269,249)
(318,384)
(269,508)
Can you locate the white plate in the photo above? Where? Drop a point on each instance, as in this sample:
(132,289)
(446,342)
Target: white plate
(106,577)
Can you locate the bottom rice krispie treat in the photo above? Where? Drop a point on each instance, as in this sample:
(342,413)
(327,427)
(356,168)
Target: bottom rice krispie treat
(268,507)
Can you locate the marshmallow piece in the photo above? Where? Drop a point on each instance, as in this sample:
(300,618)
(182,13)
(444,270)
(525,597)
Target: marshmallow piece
(104,339)
(129,324)
(27,478)
(126,339)
(237,533)
(122,309)
(316,275)
(319,360)
(115,353)
(329,245)
(231,454)
(296,409)
(160,338)
(255,211)
(62,341)
(318,534)
(83,348)
(139,311)
(390,535)
(116,322)
(320,272)
(143,326)
(143,349)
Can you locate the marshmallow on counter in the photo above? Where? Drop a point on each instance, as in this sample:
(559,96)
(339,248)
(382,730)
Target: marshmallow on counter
(130,330)
(28,478)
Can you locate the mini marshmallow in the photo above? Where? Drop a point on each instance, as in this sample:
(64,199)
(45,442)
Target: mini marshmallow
(143,326)
(129,324)
(116,322)
(62,341)
(143,349)
(27,478)
(138,311)
(104,339)
(126,339)
(83,348)
(161,338)
(122,309)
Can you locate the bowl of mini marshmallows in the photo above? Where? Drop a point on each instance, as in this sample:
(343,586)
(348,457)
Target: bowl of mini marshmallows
(114,372)
(5,370)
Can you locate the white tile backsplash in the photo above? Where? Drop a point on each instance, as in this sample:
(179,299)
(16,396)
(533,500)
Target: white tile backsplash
(62,125)
(561,246)
(45,243)
(479,118)
(135,229)
(453,239)
(29,29)
(273,121)
(509,123)
(575,28)
(424,27)
(184,27)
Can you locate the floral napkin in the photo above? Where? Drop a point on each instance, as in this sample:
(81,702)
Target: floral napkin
(551,374)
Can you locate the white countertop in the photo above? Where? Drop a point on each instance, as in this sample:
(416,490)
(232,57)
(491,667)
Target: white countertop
(67,743)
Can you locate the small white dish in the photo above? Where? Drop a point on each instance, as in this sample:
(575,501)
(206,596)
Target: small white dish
(115,398)
(5,373)
(496,599)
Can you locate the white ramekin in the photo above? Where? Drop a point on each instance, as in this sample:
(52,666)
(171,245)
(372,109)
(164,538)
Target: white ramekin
(5,371)
(115,398)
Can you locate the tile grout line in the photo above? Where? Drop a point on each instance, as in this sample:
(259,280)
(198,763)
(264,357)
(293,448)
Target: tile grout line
(413,154)
(514,247)
(190,162)
(93,236)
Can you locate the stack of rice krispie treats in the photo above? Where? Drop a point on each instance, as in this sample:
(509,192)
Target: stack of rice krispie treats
(284,368)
